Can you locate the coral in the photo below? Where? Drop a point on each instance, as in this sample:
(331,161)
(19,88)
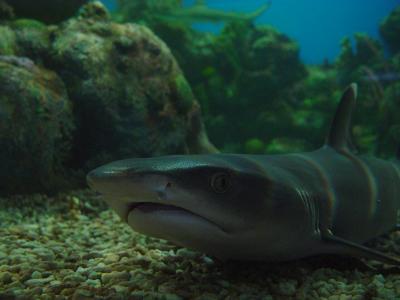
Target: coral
(35,126)
(48,11)
(390,30)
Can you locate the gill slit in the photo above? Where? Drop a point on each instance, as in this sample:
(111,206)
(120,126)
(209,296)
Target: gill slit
(311,207)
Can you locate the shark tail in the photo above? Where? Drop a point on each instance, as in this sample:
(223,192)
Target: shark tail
(253,15)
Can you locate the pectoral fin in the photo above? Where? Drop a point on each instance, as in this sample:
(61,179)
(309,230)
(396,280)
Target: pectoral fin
(359,250)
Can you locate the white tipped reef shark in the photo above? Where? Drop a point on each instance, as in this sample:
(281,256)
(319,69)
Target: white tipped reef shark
(199,12)
(262,207)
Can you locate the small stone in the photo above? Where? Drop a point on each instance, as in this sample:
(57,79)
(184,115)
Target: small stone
(38,282)
(114,277)
(111,258)
(120,289)
(94,275)
(224,283)
(5,277)
(92,255)
(187,253)
(74,278)
(2,255)
(208,260)
(137,295)
(96,283)
(81,294)
(36,275)
(172,297)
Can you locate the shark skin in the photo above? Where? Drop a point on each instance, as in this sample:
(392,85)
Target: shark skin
(200,13)
(261,207)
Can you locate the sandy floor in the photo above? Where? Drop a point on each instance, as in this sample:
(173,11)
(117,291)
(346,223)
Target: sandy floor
(71,246)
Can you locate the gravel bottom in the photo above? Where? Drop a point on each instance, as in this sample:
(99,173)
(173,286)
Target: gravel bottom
(72,247)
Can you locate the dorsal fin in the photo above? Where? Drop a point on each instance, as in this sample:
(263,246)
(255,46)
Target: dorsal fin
(339,134)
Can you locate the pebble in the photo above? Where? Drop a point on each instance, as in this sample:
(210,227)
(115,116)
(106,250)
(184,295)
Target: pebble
(36,275)
(5,277)
(172,297)
(82,294)
(74,278)
(38,282)
(288,288)
(96,283)
(108,260)
(187,253)
(114,277)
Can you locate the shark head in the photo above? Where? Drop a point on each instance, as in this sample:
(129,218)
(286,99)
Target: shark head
(217,204)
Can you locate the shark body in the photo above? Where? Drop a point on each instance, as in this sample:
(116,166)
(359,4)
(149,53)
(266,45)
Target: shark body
(261,207)
(199,12)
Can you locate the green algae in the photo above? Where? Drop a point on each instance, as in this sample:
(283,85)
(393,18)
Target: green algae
(7,41)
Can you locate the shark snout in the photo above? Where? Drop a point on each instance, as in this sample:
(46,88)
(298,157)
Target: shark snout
(104,179)
(128,184)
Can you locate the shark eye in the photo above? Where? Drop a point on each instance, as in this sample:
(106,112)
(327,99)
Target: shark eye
(221,182)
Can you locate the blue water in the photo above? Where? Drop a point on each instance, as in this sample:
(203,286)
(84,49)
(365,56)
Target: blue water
(318,26)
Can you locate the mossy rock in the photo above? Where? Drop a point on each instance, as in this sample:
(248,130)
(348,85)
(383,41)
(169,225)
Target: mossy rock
(35,126)
(130,96)
(8,43)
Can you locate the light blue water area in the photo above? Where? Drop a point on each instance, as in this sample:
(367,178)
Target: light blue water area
(317,25)
(111,4)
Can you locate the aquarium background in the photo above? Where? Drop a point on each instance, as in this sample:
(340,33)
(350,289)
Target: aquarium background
(317,26)
(82,85)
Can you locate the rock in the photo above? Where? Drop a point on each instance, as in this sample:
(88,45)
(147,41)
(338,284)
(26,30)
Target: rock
(48,11)
(114,277)
(187,253)
(35,123)
(5,277)
(96,283)
(39,282)
(130,96)
(81,294)
(171,297)
(74,279)
(36,275)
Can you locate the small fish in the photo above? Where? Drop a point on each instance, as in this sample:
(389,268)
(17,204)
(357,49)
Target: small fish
(200,13)
(389,76)
(262,207)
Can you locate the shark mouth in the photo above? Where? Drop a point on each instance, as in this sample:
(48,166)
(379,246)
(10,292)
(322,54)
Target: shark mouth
(151,210)
(149,207)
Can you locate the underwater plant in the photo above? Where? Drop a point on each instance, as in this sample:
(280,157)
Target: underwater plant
(390,30)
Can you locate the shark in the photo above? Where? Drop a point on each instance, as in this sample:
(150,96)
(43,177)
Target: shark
(262,207)
(201,13)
